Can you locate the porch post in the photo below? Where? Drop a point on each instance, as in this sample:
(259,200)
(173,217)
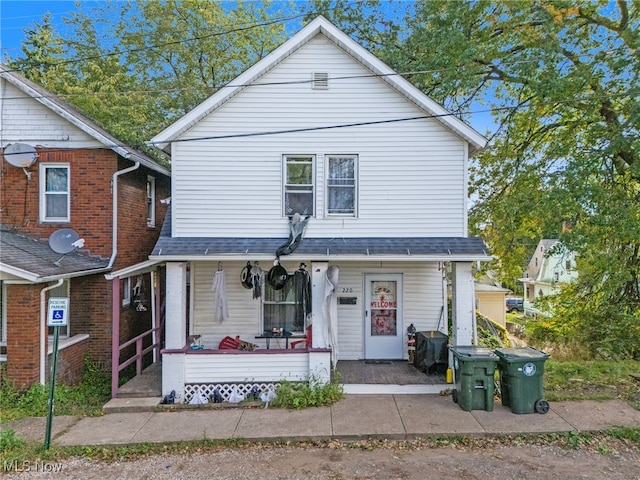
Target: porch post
(320,329)
(463,304)
(176,306)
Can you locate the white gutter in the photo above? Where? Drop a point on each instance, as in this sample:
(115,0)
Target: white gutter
(114,232)
(43,328)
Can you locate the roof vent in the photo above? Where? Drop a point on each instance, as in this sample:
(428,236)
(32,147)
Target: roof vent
(320,81)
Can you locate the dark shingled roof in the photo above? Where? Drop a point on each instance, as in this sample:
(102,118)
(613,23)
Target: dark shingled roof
(36,258)
(323,246)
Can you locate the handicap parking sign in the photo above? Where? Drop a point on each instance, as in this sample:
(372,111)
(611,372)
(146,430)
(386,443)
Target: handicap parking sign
(58,312)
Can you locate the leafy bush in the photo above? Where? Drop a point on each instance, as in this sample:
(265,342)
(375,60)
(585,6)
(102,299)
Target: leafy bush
(87,398)
(308,394)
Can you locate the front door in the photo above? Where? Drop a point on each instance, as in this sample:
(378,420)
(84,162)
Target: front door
(383,332)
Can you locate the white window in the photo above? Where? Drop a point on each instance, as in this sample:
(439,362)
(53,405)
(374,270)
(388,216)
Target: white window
(341,184)
(61,291)
(298,185)
(280,308)
(151,201)
(126,291)
(54,192)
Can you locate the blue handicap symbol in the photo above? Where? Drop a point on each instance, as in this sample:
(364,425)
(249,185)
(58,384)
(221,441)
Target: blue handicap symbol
(58,314)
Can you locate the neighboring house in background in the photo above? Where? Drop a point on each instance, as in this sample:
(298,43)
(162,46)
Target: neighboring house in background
(64,178)
(490,301)
(323,129)
(551,266)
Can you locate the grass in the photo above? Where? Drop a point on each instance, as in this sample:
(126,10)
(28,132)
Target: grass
(87,398)
(592,380)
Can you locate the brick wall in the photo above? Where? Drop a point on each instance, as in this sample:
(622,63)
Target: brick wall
(70,364)
(91,216)
(23,334)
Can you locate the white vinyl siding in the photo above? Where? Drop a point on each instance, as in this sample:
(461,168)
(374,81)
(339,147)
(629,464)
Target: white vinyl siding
(411,174)
(55,196)
(26,120)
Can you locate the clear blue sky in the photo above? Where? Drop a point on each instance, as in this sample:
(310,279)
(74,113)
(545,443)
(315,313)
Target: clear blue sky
(17,16)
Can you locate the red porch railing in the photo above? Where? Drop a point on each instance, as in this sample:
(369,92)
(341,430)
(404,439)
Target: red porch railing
(138,356)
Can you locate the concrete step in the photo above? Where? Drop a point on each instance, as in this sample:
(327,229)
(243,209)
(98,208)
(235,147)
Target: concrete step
(131,405)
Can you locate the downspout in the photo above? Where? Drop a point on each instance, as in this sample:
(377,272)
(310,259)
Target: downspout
(44,344)
(114,182)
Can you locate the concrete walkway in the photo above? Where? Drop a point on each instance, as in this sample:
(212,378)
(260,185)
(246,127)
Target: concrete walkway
(354,417)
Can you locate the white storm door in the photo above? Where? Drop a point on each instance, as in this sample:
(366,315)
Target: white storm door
(383,332)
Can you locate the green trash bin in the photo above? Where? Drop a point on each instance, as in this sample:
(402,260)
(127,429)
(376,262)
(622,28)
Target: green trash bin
(474,370)
(521,371)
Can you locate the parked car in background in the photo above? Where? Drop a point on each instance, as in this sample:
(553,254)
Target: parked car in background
(514,305)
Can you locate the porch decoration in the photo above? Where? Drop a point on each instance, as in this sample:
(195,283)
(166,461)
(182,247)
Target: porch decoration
(302,286)
(221,311)
(330,310)
(297,227)
(257,276)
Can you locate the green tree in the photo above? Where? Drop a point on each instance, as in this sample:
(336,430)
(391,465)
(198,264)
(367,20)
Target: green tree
(561,80)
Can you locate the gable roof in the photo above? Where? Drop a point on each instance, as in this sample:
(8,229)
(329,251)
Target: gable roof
(322,26)
(78,119)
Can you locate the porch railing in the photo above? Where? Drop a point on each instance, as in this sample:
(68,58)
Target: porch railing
(138,357)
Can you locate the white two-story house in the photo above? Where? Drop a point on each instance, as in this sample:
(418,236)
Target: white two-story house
(551,266)
(323,132)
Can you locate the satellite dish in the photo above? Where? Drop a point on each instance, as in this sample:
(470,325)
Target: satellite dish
(20,155)
(64,241)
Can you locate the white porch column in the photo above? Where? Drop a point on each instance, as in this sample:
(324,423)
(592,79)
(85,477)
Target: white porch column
(320,329)
(463,304)
(176,307)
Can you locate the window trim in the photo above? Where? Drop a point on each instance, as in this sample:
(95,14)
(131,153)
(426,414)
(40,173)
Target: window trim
(43,167)
(355,158)
(126,291)
(285,164)
(151,201)
(265,302)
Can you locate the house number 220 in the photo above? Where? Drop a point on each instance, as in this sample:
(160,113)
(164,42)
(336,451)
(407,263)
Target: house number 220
(347,290)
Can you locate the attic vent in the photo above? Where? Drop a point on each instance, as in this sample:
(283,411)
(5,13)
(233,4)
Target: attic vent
(320,80)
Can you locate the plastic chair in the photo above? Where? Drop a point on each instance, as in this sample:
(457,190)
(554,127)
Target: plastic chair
(306,340)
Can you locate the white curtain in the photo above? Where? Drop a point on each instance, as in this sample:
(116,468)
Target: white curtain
(330,310)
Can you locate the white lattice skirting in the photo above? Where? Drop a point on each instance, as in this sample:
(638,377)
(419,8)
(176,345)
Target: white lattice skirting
(225,389)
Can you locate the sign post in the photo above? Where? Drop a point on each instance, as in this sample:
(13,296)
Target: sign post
(57,317)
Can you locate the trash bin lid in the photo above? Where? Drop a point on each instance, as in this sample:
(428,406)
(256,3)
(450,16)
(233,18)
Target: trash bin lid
(474,352)
(521,354)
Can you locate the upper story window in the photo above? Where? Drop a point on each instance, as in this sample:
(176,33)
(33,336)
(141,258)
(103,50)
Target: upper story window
(299,185)
(341,184)
(54,192)
(151,201)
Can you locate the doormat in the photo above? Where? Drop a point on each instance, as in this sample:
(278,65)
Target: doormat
(377,362)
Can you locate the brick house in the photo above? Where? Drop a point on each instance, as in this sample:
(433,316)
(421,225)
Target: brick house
(64,177)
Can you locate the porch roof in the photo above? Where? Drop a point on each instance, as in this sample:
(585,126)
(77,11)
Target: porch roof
(387,248)
(26,258)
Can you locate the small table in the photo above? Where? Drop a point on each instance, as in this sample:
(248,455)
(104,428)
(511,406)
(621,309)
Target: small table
(268,335)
